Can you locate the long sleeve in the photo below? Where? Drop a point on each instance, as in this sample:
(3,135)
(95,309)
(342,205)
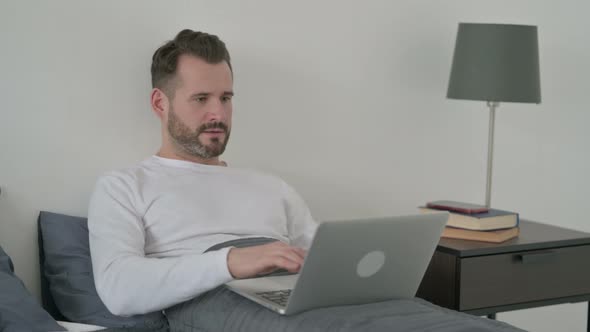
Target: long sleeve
(301,225)
(126,280)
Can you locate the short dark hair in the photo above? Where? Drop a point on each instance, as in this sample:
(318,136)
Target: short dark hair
(196,43)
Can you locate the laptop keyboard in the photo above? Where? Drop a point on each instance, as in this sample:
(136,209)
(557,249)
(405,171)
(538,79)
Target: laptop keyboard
(279,297)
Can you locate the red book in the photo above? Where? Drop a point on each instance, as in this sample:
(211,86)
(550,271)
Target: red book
(457,207)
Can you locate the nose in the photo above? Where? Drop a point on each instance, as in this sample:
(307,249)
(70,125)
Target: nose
(216,111)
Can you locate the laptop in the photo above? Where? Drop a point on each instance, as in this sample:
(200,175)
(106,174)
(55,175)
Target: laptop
(353,262)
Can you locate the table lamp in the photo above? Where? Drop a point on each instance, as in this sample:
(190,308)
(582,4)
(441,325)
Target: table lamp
(495,63)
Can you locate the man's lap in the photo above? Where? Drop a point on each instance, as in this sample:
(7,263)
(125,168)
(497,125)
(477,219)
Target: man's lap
(223,310)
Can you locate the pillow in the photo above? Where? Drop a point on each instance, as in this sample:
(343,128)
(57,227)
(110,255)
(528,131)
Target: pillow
(67,268)
(19,310)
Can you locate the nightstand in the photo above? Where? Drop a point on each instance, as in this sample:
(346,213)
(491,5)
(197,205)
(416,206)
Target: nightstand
(545,265)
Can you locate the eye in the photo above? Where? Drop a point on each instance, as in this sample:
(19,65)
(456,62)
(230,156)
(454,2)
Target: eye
(226,99)
(201,99)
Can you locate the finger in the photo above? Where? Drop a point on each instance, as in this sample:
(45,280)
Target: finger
(292,252)
(280,248)
(281,255)
(292,256)
(282,245)
(300,251)
(287,264)
(292,267)
(267,271)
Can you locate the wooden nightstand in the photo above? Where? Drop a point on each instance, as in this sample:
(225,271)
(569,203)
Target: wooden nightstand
(545,265)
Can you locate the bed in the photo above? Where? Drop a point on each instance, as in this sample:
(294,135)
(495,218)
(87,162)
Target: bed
(69,296)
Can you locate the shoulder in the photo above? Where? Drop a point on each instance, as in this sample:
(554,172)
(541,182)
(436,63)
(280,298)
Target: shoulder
(286,190)
(127,178)
(259,176)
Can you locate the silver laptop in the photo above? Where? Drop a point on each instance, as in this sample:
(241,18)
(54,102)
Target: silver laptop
(353,262)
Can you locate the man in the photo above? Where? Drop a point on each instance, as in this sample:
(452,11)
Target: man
(151,224)
(166,233)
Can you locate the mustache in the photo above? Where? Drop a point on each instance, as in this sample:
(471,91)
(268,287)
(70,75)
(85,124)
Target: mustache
(213,125)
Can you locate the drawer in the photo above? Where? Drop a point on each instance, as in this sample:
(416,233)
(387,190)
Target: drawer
(495,280)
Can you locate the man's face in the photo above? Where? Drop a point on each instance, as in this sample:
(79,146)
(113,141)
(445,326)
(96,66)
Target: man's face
(199,117)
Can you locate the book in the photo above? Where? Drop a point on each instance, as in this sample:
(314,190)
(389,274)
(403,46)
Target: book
(485,221)
(497,236)
(457,206)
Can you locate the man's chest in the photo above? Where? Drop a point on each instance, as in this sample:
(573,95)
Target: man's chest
(214,205)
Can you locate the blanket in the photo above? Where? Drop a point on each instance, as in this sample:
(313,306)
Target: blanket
(223,310)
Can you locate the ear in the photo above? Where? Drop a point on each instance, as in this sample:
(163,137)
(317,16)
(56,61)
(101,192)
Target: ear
(160,103)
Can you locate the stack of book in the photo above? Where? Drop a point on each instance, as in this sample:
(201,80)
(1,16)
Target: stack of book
(476,222)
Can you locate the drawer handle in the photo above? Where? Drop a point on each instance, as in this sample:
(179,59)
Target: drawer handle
(535,257)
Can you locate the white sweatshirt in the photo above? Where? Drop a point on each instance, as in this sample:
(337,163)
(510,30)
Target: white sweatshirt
(150,224)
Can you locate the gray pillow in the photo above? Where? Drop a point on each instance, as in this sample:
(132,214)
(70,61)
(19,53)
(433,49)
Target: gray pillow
(19,310)
(67,268)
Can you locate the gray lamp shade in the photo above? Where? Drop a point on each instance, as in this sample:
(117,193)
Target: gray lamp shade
(496,62)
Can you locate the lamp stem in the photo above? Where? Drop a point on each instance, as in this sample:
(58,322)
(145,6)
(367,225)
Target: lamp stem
(492,106)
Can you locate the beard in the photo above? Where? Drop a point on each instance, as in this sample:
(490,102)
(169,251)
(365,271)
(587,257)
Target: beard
(188,140)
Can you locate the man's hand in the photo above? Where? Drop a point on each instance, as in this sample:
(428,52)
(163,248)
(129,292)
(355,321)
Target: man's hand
(258,260)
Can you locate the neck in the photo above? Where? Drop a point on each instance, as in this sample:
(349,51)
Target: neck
(170,153)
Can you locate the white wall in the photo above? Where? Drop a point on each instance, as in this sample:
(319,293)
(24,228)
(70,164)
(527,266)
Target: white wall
(343,99)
